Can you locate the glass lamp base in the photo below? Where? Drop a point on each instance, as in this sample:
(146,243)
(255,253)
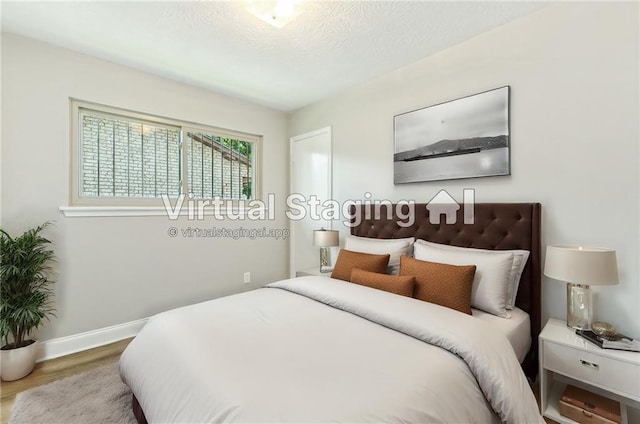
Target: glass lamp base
(324,260)
(579,306)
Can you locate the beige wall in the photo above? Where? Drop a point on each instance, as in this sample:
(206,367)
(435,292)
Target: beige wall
(573,72)
(114,270)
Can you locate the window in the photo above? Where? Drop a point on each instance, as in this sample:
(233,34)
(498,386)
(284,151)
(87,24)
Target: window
(127,159)
(219,166)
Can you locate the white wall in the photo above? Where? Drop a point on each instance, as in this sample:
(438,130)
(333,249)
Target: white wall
(573,72)
(115,270)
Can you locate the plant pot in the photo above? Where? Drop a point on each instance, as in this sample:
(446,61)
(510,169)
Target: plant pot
(17,363)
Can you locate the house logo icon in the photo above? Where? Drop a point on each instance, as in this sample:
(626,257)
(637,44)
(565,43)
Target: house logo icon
(444,204)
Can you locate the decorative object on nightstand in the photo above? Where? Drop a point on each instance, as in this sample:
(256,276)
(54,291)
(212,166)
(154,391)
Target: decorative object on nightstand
(581,267)
(617,341)
(603,329)
(325,239)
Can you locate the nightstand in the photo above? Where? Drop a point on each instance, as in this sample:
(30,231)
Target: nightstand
(312,271)
(566,358)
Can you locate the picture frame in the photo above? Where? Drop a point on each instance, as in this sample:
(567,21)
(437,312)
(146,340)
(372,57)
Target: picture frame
(468,137)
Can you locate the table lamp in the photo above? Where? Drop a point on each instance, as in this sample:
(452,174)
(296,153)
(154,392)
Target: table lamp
(324,239)
(581,267)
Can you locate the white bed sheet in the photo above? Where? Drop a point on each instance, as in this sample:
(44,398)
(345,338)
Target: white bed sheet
(517,329)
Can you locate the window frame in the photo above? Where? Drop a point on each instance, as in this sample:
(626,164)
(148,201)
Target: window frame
(76,173)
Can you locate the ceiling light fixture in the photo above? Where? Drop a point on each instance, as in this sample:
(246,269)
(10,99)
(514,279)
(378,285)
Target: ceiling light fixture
(275,12)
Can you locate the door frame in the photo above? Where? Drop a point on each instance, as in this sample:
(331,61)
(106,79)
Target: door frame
(328,132)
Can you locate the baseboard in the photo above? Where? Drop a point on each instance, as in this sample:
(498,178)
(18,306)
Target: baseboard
(61,346)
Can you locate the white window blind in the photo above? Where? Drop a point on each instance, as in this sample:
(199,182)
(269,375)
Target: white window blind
(129,157)
(126,158)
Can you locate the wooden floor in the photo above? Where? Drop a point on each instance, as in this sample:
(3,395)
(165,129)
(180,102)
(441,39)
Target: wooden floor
(56,369)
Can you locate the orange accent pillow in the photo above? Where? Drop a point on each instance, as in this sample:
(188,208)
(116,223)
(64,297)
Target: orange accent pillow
(402,285)
(347,260)
(442,284)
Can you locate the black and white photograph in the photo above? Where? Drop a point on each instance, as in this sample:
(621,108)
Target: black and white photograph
(463,138)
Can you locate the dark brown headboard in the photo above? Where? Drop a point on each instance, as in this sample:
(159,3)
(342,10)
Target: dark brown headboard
(497,226)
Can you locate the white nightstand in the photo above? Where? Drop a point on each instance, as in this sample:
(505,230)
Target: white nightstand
(566,358)
(312,271)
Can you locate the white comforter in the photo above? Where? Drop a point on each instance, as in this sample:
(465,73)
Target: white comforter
(315,349)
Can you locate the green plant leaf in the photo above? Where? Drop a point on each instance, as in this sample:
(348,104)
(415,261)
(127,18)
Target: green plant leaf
(25,286)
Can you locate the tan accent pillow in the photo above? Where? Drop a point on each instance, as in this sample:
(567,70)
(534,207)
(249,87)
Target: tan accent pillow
(402,285)
(442,284)
(347,260)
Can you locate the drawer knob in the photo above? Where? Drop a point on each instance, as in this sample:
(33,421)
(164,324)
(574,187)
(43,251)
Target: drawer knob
(589,364)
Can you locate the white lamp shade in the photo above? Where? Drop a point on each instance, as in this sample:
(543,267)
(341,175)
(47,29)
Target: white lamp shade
(581,265)
(326,238)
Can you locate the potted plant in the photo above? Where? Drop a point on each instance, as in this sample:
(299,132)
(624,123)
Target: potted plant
(25,298)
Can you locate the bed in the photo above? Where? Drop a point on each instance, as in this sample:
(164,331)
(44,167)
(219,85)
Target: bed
(315,349)
(497,226)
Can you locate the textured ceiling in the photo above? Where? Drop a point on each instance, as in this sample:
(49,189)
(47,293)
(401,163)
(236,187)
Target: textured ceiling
(220,46)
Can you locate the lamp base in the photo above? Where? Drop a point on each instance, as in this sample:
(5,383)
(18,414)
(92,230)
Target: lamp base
(324,260)
(579,306)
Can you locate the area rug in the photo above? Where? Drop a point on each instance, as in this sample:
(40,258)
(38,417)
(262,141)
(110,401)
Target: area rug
(96,396)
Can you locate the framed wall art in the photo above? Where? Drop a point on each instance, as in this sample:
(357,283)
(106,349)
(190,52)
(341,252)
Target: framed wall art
(463,138)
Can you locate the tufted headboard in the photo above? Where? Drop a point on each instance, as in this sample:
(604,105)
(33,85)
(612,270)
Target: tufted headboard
(496,226)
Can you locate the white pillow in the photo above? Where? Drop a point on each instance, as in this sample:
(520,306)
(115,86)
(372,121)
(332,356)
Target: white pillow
(492,279)
(394,247)
(520,258)
(519,262)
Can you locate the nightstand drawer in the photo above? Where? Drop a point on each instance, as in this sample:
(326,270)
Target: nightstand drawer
(614,375)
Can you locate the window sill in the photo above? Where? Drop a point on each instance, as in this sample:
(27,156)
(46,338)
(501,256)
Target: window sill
(114,211)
